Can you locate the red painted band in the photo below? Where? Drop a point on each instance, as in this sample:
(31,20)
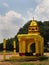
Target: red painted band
(4,48)
(21,54)
(14,48)
(39,54)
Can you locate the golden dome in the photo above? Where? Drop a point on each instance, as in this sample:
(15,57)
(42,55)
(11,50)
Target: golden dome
(33,28)
(33,23)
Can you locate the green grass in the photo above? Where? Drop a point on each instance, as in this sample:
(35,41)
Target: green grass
(19,59)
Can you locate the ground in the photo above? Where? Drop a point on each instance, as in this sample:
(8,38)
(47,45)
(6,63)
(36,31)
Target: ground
(45,62)
(26,63)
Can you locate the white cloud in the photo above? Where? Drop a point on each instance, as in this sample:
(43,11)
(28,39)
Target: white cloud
(41,12)
(37,1)
(10,23)
(5,4)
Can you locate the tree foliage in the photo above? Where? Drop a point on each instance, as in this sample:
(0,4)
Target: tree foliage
(44,31)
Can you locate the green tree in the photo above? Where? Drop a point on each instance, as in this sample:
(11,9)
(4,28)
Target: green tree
(43,28)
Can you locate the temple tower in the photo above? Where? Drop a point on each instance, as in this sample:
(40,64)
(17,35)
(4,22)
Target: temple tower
(33,36)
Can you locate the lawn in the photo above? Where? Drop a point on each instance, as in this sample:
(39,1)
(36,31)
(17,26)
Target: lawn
(15,62)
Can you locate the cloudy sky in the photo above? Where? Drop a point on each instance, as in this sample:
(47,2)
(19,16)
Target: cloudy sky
(15,13)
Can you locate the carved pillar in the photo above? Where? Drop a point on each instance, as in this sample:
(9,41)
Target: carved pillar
(42,46)
(4,49)
(37,47)
(28,48)
(20,46)
(23,47)
(14,48)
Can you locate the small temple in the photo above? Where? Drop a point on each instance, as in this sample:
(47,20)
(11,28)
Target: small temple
(33,37)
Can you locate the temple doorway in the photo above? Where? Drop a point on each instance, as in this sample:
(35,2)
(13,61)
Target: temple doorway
(31,49)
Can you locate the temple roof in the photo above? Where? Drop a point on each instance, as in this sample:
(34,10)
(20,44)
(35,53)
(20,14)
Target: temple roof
(33,28)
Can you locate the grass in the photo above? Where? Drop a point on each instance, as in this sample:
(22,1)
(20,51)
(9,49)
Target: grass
(15,62)
(26,59)
(43,58)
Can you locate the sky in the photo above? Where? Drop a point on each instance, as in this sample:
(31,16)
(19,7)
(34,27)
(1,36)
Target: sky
(15,13)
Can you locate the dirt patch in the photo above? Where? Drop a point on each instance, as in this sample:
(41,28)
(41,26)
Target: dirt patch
(26,63)
(47,54)
(46,62)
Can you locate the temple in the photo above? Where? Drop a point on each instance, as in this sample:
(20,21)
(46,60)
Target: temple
(33,37)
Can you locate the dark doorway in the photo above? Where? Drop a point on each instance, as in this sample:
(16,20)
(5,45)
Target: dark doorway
(32,47)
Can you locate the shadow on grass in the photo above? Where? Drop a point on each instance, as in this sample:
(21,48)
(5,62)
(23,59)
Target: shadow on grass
(43,58)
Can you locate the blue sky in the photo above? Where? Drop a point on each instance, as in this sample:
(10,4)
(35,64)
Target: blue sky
(15,13)
(16,5)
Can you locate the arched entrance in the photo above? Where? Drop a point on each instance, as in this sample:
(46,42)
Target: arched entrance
(30,48)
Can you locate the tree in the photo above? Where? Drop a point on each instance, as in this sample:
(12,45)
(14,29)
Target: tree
(44,32)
